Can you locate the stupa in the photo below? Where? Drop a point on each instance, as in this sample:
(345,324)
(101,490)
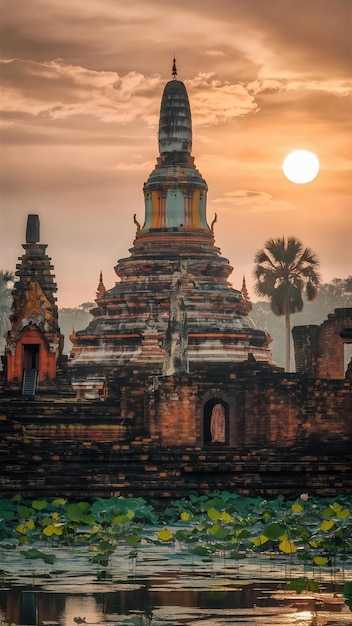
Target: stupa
(173,306)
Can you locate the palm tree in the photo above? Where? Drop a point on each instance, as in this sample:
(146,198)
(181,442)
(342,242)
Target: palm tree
(283,271)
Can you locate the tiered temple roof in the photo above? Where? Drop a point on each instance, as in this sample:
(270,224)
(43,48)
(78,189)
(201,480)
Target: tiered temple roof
(174,285)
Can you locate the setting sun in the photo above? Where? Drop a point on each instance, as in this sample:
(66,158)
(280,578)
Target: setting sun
(301,166)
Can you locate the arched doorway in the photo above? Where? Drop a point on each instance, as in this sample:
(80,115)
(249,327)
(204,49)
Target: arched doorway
(216,423)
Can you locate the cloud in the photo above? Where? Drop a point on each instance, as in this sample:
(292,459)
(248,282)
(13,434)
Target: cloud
(254,201)
(56,90)
(133,166)
(333,86)
(215,100)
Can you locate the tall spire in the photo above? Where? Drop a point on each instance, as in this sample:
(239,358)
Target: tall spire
(175,122)
(175,192)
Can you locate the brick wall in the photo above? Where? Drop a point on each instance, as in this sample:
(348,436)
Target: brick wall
(319,350)
(264,410)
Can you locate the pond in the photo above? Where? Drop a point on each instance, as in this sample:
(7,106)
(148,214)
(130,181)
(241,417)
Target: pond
(177,569)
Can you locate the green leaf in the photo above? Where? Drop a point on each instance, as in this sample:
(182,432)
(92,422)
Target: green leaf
(101,559)
(274,530)
(344,514)
(320,560)
(59,502)
(214,503)
(24,512)
(327,524)
(226,517)
(120,519)
(106,546)
(313,585)
(48,531)
(74,512)
(287,546)
(298,584)
(39,505)
(347,592)
(217,531)
(259,541)
(336,507)
(132,540)
(7,510)
(88,519)
(165,535)
(33,553)
(21,528)
(214,514)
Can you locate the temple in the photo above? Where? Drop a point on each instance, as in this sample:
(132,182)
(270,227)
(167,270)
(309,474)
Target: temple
(34,344)
(170,389)
(173,306)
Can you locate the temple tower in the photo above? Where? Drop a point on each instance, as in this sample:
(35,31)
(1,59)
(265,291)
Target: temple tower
(174,281)
(34,344)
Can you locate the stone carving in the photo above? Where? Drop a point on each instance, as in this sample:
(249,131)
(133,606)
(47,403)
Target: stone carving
(213,222)
(37,308)
(136,222)
(176,337)
(217,424)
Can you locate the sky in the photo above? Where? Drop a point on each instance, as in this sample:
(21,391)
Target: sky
(81,86)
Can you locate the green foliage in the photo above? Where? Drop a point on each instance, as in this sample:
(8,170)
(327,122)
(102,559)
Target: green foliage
(303,584)
(77,318)
(316,531)
(33,553)
(336,294)
(284,270)
(6,284)
(347,592)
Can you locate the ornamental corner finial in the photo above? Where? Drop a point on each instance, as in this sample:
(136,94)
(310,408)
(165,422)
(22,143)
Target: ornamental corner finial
(174,68)
(136,222)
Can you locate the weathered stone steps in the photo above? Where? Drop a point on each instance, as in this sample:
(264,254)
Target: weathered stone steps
(82,469)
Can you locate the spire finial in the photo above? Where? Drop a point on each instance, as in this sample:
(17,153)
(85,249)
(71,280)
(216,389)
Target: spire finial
(101,287)
(174,69)
(244,289)
(245,295)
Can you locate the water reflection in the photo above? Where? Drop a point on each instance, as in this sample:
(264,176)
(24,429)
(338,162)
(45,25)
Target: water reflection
(80,610)
(252,605)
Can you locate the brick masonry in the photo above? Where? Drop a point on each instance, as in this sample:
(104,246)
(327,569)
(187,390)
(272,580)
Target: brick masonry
(285,433)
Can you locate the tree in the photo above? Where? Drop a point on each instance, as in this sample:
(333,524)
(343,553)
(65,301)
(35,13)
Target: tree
(284,271)
(77,318)
(6,283)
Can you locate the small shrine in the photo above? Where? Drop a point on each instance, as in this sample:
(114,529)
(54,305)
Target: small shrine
(34,343)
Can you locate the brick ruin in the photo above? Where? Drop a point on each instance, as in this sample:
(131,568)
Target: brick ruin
(319,350)
(171,389)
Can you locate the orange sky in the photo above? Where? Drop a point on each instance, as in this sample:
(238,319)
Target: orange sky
(81,87)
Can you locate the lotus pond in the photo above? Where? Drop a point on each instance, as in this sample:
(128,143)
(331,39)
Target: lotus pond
(215,559)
